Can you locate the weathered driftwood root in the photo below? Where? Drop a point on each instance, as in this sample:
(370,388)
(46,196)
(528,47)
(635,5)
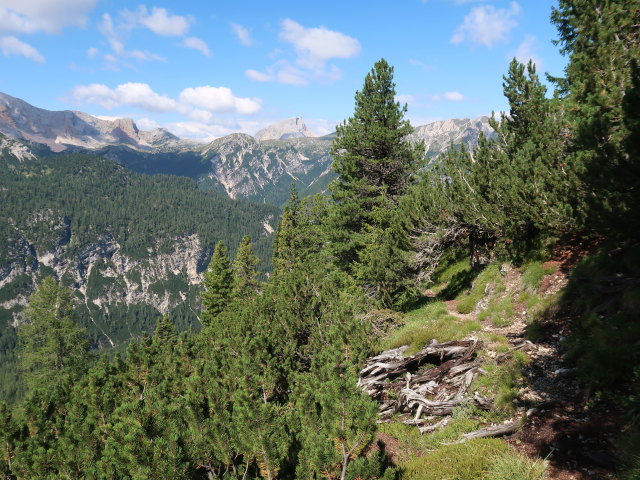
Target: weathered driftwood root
(382,369)
(431,382)
(439,408)
(424,389)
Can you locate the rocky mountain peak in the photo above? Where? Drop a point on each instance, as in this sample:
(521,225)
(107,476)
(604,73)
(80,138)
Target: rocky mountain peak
(438,136)
(288,128)
(127,127)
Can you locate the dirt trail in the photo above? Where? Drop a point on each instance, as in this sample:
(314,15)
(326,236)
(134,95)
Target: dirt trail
(560,426)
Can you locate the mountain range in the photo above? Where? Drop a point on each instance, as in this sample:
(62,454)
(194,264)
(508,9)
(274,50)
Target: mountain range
(79,197)
(258,168)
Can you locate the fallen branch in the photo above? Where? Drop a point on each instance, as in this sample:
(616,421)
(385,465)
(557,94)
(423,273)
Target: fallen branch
(492,431)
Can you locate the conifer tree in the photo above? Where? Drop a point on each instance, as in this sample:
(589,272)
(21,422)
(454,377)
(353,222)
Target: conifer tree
(244,268)
(375,164)
(164,332)
(337,418)
(287,244)
(602,41)
(218,283)
(8,434)
(526,175)
(510,192)
(52,347)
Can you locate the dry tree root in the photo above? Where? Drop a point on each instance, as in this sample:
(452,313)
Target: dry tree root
(423,389)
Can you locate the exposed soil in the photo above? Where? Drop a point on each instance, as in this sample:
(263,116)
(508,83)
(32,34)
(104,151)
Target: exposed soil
(395,452)
(576,440)
(575,434)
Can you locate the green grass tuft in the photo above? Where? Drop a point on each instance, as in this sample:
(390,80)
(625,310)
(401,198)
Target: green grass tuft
(465,461)
(491,275)
(516,467)
(451,270)
(532,275)
(429,322)
(453,277)
(500,312)
(502,381)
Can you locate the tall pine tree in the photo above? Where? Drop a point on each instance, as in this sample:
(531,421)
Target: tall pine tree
(244,268)
(375,164)
(601,39)
(218,283)
(287,244)
(52,348)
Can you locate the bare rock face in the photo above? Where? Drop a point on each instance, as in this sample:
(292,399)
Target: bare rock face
(438,136)
(102,276)
(289,128)
(263,171)
(125,129)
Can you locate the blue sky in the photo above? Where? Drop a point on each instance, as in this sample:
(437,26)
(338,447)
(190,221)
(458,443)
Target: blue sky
(204,69)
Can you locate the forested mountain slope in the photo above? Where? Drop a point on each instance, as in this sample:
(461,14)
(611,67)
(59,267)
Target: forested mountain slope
(131,246)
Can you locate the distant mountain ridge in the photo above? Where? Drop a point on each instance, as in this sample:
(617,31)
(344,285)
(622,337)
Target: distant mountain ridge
(60,130)
(438,136)
(259,168)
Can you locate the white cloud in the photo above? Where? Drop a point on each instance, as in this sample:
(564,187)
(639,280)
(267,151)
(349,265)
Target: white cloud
(134,94)
(242,33)
(161,22)
(197,105)
(143,55)
(147,123)
(108,118)
(114,33)
(107,28)
(257,76)
(11,46)
(202,132)
(201,116)
(315,46)
(46,16)
(282,72)
(92,52)
(453,96)
(527,51)
(486,25)
(196,44)
(422,65)
(405,98)
(320,126)
(290,75)
(219,99)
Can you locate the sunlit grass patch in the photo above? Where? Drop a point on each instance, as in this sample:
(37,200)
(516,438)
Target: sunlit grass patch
(500,312)
(463,461)
(427,323)
(512,466)
(502,381)
(491,275)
